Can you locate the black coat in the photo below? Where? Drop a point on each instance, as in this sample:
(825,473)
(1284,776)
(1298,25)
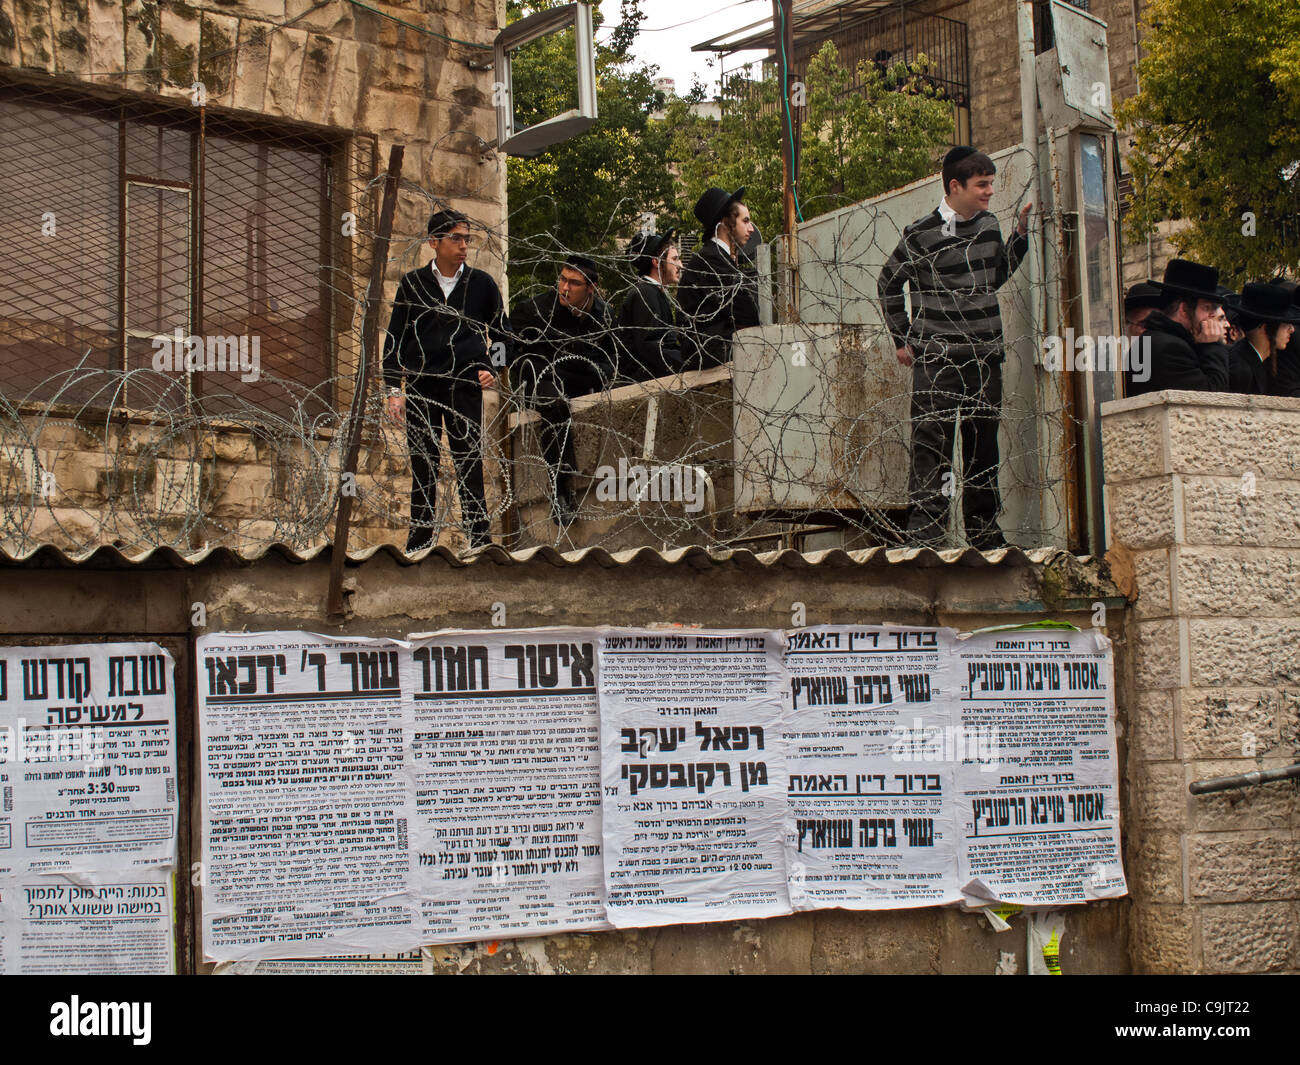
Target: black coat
(1287,381)
(716,298)
(1247,373)
(647,330)
(433,339)
(1177,361)
(579,348)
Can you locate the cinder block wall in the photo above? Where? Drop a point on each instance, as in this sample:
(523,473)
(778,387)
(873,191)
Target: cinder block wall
(1203,494)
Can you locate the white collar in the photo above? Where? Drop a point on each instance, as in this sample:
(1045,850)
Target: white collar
(433,265)
(947,213)
(723,245)
(652,280)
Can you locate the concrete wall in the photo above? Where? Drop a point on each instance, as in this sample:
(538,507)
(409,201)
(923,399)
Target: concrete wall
(391,598)
(1203,496)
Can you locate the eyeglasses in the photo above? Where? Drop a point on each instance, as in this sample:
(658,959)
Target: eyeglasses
(458,238)
(574,282)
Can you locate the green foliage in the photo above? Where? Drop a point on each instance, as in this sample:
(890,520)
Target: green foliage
(867,131)
(583,194)
(1216,132)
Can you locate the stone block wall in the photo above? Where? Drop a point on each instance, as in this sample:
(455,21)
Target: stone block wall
(1203,494)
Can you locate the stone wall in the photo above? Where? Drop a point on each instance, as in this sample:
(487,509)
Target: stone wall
(1203,496)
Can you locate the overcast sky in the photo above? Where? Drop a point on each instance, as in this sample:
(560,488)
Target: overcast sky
(666,42)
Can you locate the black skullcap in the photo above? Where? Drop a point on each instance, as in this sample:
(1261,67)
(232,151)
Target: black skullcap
(585,266)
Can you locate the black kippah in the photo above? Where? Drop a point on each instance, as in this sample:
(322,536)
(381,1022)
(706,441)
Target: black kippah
(956,155)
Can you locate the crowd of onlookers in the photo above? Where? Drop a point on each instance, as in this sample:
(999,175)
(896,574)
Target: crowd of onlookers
(1206,338)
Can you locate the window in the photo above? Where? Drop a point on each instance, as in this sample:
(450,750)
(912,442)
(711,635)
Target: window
(129,220)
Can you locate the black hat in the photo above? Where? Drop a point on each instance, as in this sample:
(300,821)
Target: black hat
(1144,294)
(1265,303)
(586,267)
(1190,280)
(712,207)
(645,248)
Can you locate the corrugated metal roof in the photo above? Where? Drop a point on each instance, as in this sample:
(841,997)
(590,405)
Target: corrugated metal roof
(48,556)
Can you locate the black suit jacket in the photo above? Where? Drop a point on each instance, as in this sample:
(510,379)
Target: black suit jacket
(577,348)
(716,298)
(1177,361)
(647,329)
(435,339)
(1247,372)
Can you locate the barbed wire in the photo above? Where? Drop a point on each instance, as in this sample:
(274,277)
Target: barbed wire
(807,437)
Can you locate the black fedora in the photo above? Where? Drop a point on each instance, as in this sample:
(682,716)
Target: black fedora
(1144,294)
(712,207)
(645,248)
(1264,302)
(1189,280)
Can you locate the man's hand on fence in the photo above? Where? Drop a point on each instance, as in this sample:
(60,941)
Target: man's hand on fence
(1022,226)
(397,408)
(485,380)
(904,355)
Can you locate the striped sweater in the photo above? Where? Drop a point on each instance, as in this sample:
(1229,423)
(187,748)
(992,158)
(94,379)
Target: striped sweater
(954,283)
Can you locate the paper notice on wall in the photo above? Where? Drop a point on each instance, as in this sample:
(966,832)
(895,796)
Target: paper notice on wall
(87,758)
(870,748)
(306,799)
(694,775)
(1043,828)
(505,759)
(405,963)
(90,926)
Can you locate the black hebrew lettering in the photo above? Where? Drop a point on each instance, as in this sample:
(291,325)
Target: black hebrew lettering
(4,680)
(71,678)
(915,687)
(377,670)
(728,737)
(836,832)
(316,661)
(877,832)
(813,782)
(870,690)
(754,773)
(820,691)
(920,831)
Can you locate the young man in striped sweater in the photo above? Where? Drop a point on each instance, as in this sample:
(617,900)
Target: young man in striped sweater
(954,261)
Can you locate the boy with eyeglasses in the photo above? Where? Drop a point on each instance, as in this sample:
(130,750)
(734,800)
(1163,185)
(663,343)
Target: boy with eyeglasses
(445,316)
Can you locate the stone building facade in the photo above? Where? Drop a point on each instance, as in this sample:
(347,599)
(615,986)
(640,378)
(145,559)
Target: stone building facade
(326,88)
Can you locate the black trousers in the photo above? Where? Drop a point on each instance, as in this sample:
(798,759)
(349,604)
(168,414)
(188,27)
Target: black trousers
(458,406)
(548,394)
(949,399)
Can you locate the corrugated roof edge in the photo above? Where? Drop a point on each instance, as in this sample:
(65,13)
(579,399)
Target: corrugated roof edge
(48,556)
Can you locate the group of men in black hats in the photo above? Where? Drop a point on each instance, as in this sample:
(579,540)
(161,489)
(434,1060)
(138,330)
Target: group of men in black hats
(449,338)
(1205,338)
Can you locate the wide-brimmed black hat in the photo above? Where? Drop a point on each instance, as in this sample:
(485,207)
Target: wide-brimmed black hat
(645,248)
(1191,280)
(1264,302)
(1144,294)
(712,207)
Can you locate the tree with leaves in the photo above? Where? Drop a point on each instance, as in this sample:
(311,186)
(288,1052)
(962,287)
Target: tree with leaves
(587,192)
(1215,133)
(866,131)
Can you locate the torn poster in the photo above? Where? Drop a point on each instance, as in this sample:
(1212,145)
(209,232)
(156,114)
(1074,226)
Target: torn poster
(505,759)
(694,775)
(871,745)
(1044,828)
(306,797)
